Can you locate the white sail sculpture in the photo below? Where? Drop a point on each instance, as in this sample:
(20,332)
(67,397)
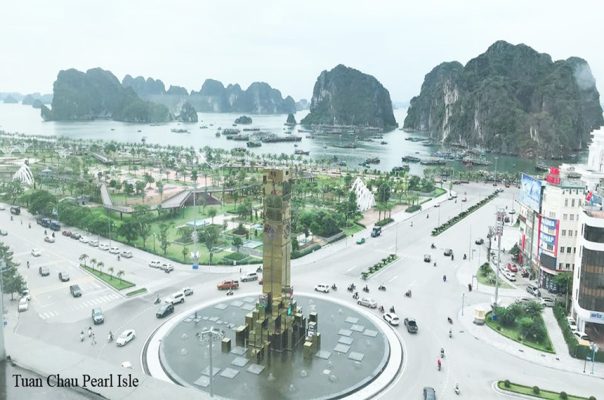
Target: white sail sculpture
(24,175)
(365,199)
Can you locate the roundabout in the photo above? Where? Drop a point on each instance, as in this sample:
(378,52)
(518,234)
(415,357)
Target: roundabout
(359,356)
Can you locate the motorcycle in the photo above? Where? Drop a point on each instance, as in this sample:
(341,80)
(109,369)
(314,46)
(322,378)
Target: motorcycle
(366,289)
(355,295)
(118,258)
(465,257)
(432,246)
(439,365)
(450,334)
(408,293)
(334,287)
(450,320)
(444,278)
(457,389)
(157,300)
(229,293)
(110,337)
(259,269)
(350,288)
(435,263)
(382,287)
(381,309)
(442,352)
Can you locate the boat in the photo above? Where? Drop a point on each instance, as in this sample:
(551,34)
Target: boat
(203,127)
(432,161)
(373,160)
(469,161)
(217,134)
(277,139)
(139,131)
(179,130)
(410,159)
(302,152)
(346,146)
(251,129)
(230,131)
(541,166)
(383,142)
(253,143)
(309,137)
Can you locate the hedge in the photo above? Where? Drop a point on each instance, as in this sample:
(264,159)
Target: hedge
(384,221)
(575,349)
(308,250)
(440,229)
(413,208)
(384,262)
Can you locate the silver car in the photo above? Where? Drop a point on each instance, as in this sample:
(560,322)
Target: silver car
(367,302)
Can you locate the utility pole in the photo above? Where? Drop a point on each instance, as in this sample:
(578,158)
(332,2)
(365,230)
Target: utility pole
(499,232)
(2,320)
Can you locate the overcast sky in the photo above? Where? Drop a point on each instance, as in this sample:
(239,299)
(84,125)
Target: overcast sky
(285,43)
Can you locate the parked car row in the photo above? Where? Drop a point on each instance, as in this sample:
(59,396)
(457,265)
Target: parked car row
(100,245)
(169,302)
(166,267)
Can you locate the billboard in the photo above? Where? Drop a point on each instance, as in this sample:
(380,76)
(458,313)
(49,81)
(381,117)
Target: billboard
(531,192)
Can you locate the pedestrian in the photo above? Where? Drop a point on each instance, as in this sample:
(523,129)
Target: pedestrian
(93,341)
(28,264)
(89,331)
(239,269)
(81,336)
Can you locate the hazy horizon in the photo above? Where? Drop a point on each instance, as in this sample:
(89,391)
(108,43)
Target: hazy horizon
(183,43)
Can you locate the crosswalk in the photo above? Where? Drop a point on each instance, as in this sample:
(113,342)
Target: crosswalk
(86,304)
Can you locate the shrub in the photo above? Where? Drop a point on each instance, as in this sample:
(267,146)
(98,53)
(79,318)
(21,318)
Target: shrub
(413,208)
(506,383)
(384,221)
(536,390)
(563,396)
(592,397)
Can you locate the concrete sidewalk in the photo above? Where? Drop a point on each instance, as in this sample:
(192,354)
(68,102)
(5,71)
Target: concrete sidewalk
(561,360)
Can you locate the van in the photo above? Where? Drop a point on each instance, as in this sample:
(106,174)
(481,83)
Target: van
(176,298)
(250,276)
(534,290)
(54,226)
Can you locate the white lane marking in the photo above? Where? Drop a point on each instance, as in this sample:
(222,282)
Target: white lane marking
(393,278)
(351,268)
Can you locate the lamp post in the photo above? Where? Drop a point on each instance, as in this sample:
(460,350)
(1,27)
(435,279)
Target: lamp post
(208,335)
(2,320)
(463,297)
(594,350)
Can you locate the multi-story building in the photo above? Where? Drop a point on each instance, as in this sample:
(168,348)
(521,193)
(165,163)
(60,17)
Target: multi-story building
(588,277)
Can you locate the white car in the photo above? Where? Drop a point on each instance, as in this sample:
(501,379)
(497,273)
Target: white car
(187,291)
(127,336)
(367,302)
(322,288)
(49,239)
(114,250)
(84,240)
(571,323)
(2,208)
(23,304)
(35,253)
(103,246)
(155,264)
(547,302)
(167,267)
(126,254)
(581,335)
(392,319)
(94,243)
(510,276)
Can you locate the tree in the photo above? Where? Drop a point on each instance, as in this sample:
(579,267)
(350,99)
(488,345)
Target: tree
(209,236)
(41,202)
(194,176)
(237,242)
(120,274)
(185,251)
(129,230)
(160,189)
(163,237)
(143,223)
(93,263)
(110,271)
(100,266)
(212,213)
(140,188)
(13,281)
(83,258)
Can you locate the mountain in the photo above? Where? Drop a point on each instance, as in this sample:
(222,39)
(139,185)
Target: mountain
(345,96)
(302,104)
(258,98)
(36,99)
(187,113)
(10,100)
(510,99)
(97,93)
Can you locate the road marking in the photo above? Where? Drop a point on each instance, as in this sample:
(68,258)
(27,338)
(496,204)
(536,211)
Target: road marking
(393,278)
(351,268)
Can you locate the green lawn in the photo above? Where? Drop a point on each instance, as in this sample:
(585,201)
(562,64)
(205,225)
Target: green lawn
(543,394)
(484,280)
(116,283)
(136,292)
(514,334)
(349,231)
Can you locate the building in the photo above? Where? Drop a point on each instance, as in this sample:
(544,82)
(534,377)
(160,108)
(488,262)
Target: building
(588,277)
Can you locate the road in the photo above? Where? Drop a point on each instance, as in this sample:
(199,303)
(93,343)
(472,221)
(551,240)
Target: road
(473,364)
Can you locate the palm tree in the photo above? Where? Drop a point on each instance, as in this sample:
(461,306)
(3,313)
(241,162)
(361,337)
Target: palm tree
(212,213)
(93,263)
(110,271)
(100,266)
(120,274)
(83,258)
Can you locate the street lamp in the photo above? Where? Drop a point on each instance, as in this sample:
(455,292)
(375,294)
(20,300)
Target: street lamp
(498,231)
(208,335)
(594,350)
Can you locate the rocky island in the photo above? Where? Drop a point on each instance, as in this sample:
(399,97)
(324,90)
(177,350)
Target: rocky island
(345,96)
(510,99)
(243,120)
(96,93)
(187,113)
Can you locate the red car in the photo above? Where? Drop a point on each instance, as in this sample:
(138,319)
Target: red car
(512,268)
(67,233)
(226,285)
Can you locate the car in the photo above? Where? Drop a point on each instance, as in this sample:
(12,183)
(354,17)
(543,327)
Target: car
(524,300)
(524,273)
(43,271)
(66,233)
(322,288)
(436,205)
(512,211)
(126,337)
(367,302)
(548,301)
(63,276)
(250,276)
(24,292)
(3,232)
(93,243)
(75,290)
(227,285)
(35,252)
(479,241)
(75,235)
(411,325)
(581,335)
(15,210)
(2,208)
(360,240)
(534,290)
(571,323)
(175,298)
(49,239)
(510,276)
(114,250)
(103,246)
(187,291)
(392,319)
(126,254)
(165,310)
(429,393)
(155,264)
(84,240)
(167,267)
(427,258)
(376,231)
(464,199)
(97,316)
(23,304)
(512,267)
(448,252)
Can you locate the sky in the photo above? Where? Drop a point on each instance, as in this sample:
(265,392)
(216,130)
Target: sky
(285,43)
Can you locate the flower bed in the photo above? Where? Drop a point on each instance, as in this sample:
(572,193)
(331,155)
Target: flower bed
(535,391)
(379,266)
(440,229)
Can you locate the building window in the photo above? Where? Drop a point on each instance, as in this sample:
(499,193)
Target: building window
(562,249)
(574,250)
(570,233)
(572,204)
(567,266)
(563,232)
(565,202)
(552,214)
(560,266)
(572,217)
(568,249)
(564,217)
(591,280)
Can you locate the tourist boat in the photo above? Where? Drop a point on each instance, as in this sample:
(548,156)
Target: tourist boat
(415,139)
(139,131)
(373,160)
(203,127)
(251,129)
(383,142)
(277,139)
(230,131)
(469,161)
(302,152)
(410,159)
(309,136)
(239,150)
(432,161)
(179,130)
(253,143)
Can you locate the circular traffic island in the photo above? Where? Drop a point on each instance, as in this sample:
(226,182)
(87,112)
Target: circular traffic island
(358,353)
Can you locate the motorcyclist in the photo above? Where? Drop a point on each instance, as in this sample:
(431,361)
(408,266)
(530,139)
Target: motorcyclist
(435,263)
(334,287)
(444,278)
(110,337)
(450,333)
(89,331)
(442,352)
(81,336)
(412,224)
(28,264)
(438,362)
(381,309)
(118,257)
(392,309)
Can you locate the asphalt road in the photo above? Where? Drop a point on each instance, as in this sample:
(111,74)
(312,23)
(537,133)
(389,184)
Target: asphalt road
(473,364)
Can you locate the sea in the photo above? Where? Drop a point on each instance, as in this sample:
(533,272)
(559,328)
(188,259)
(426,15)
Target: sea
(389,149)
